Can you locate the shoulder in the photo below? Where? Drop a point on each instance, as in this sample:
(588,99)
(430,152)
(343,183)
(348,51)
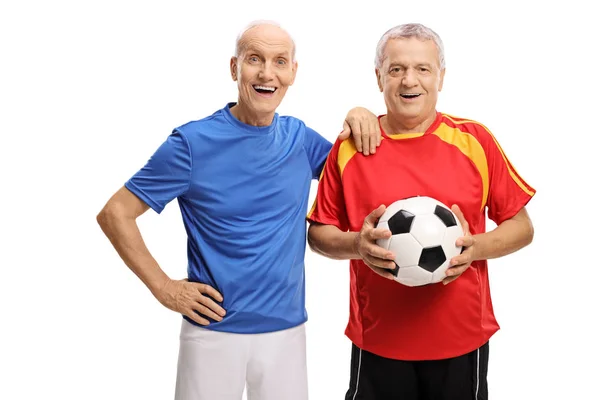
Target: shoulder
(212,119)
(467,126)
(202,126)
(291,123)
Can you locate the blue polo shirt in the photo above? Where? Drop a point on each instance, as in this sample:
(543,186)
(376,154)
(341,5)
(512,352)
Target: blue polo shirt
(243,194)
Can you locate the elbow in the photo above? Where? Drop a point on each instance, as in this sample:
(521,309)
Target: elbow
(310,240)
(102,218)
(108,216)
(530,233)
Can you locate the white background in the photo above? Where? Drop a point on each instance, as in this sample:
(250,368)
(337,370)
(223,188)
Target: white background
(89,89)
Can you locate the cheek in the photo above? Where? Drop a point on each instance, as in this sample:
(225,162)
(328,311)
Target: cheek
(433,85)
(286,77)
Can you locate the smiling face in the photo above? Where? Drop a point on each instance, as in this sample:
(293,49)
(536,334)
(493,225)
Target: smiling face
(410,79)
(263,70)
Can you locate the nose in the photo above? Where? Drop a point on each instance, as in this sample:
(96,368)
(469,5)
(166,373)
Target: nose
(410,78)
(266,72)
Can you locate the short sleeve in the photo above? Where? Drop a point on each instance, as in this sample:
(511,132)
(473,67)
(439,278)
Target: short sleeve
(508,193)
(166,175)
(317,148)
(329,207)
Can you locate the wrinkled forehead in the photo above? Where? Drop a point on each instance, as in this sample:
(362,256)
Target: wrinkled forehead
(267,40)
(411,51)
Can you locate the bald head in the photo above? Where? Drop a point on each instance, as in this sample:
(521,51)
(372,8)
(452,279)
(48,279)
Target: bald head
(268,31)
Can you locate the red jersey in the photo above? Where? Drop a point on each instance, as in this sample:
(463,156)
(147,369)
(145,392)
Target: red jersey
(456,161)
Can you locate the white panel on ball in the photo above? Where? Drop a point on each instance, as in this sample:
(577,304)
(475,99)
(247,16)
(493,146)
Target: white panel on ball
(385,243)
(419,205)
(449,242)
(428,229)
(414,276)
(408,250)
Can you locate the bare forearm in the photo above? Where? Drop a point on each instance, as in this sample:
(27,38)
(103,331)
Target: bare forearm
(126,238)
(330,242)
(510,236)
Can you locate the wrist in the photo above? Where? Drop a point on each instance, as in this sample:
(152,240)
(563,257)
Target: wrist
(157,285)
(355,241)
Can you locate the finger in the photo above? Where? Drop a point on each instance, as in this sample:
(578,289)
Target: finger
(206,311)
(345,134)
(379,262)
(465,241)
(372,137)
(458,270)
(465,257)
(209,290)
(365,141)
(357,135)
(381,272)
(461,218)
(446,281)
(375,128)
(374,250)
(209,303)
(378,233)
(196,318)
(372,218)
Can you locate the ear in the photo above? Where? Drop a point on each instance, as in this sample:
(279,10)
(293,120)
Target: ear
(233,68)
(379,79)
(442,74)
(294,70)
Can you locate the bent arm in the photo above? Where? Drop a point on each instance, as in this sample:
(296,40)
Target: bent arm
(508,237)
(329,241)
(118,222)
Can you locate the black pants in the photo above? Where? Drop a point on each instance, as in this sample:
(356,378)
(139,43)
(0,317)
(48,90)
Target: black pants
(377,378)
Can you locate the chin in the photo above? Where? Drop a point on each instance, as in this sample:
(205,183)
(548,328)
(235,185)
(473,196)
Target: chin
(269,106)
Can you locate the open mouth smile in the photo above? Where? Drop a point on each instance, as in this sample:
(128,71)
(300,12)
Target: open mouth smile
(264,90)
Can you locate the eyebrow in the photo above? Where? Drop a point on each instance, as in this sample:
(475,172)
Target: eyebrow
(393,64)
(254,50)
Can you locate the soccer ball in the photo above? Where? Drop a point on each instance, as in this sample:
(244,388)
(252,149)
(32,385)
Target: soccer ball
(424,233)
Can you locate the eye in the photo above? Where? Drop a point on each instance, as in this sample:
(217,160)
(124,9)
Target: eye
(423,69)
(281,61)
(253,59)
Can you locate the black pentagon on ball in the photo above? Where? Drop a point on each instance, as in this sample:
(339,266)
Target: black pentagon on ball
(401,222)
(445,215)
(432,258)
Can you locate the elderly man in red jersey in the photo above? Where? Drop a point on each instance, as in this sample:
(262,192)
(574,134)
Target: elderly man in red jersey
(428,342)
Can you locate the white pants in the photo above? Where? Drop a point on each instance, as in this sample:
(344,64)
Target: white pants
(218,365)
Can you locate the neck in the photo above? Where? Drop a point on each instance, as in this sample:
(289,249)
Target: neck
(394,124)
(249,117)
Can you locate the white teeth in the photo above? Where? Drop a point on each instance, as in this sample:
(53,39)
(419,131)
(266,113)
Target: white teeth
(272,89)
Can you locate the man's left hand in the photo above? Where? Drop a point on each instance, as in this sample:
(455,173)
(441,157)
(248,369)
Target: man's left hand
(461,262)
(364,127)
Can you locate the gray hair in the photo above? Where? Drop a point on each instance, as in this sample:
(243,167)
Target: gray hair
(406,31)
(239,48)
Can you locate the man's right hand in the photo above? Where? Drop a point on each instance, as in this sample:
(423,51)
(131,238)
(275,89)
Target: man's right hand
(190,298)
(380,260)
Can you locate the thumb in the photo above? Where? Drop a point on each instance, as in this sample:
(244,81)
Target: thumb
(461,218)
(345,134)
(374,216)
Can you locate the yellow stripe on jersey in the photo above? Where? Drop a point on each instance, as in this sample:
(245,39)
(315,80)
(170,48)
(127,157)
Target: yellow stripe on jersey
(345,153)
(511,169)
(470,147)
